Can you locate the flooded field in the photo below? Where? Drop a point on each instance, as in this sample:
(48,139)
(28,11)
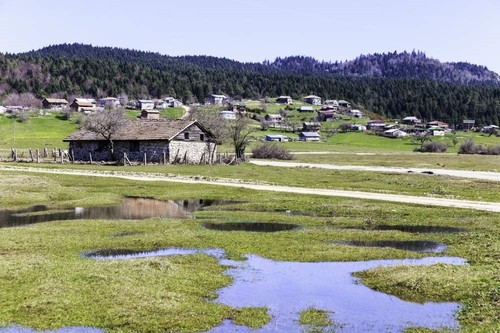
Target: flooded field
(286,288)
(131,208)
(250,226)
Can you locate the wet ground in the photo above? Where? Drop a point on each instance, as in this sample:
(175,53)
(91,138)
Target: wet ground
(131,208)
(424,229)
(413,245)
(287,288)
(250,226)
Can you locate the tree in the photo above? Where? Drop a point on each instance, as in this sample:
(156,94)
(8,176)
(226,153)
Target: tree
(240,131)
(210,119)
(106,123)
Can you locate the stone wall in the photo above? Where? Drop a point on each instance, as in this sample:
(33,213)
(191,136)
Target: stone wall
(192,152)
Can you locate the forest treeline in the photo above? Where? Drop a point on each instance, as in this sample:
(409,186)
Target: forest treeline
(393,85)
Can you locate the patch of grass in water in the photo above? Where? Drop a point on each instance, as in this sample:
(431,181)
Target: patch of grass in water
(254,317)
(315,317)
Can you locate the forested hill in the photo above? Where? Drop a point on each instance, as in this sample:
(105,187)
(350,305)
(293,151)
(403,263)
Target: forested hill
(414,65)
(385,84)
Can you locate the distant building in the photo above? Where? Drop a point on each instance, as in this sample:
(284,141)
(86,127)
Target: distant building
(82,104)
(273,118)
(395,133)
(312,126)
(110,102)
(325,115)
(344,104)
(355,113)
(411,120)
(161,105)
(146,104)
(436,131)
(438,124)
(54,103)
(332,102)
(312,99)
(284,100)
(375,124)
(150,114)
(309,136)
(3,109)
(217,99)
(230,115)
(306,109)
(276,137)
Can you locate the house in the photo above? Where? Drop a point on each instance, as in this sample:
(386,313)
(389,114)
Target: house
(355,113)
(312,99)
(325,115)
(217,99)
(395,133)
(344,104)
(375,124)
(486,129)
(435,131)
(82,105)
(312,126)
(150,115)
(161,105)
(3,109)
(54,103)
(273,118)
(358,127)
(230,115)
(438,124)
(276,137)
(109,102)
(176,103)
(306,109)
(309,136)
(284,100)
(332,102)
(146,104)
(411,120)
(179,141)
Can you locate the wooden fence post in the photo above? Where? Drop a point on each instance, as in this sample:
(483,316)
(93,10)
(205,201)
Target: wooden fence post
(90,155)
(45,152)
(164,158)
(31,156)
(14,154)
(38,156)
(145,161)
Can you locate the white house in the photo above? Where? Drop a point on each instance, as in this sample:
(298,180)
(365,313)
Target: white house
(284,100)
(111,102)
(230,115)
(411,120)
(276,137)
(395,133)
(217,99)
(309,136)
(161,105)
(356,113)
(146,104)
(312,99)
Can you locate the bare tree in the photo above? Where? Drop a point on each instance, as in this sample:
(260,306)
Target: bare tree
(25,99)
(240,131)
(123,98)
(210,119)
(106,123)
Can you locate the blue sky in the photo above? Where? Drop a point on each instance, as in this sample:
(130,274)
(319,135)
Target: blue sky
(255,30)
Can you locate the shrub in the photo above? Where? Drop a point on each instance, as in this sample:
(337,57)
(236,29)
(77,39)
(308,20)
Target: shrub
(433,147)
(469,147)
(271,150)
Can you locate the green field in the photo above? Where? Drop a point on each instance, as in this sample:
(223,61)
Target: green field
(45,283)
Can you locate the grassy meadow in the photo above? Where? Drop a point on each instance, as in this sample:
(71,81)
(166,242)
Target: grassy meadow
(45,283)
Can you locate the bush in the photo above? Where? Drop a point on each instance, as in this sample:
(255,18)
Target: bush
(433,147)
(271,150)
(469,147)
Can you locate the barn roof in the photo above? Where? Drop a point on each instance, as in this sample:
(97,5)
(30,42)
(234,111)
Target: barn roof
(137,130)
(56,101)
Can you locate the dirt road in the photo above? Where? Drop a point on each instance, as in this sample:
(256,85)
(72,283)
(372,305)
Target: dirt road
(428,201)
(483,175)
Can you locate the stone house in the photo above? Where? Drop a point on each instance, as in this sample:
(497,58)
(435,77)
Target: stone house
(146,104)
(217,99)
(82,104)
(312,99)
(179,141)
(109,102)
(284,100)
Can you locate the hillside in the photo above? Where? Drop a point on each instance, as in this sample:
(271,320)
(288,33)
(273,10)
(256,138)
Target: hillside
(393,85)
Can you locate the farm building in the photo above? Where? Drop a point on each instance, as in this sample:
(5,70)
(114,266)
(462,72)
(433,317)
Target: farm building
(312,126)
(276,137)
(82,105)
(230,115)
(217,99)
(273,118)
(180,141)
(324,115)
(355,113)
(438,124)
(146,104)
(306,109)
(54,103)
(312,99)
(309,136)
(344,104)
(375,124)
(395,133)
(411,120)
(284,100)
(110,102)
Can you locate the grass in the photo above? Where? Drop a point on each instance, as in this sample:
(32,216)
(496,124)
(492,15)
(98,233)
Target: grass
(395,183)
(315,317)
(45,283)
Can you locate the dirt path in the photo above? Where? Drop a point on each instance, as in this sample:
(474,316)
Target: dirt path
(483,175)
(187,110)
(428,201)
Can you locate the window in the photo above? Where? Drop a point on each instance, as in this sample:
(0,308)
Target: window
(202,137)
(186,135)
(134,146)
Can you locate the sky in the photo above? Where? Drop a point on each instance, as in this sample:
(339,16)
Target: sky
(258,30)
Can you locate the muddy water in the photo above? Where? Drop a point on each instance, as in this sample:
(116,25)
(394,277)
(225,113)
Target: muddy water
(287,288)
(130,208)
(414,245)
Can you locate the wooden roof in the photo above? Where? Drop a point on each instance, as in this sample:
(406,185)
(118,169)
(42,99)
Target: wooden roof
(142,130)
(56,101)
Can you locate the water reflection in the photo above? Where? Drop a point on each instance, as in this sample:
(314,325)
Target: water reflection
(414,245)
(287,288)
(130,208)
(71,329)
